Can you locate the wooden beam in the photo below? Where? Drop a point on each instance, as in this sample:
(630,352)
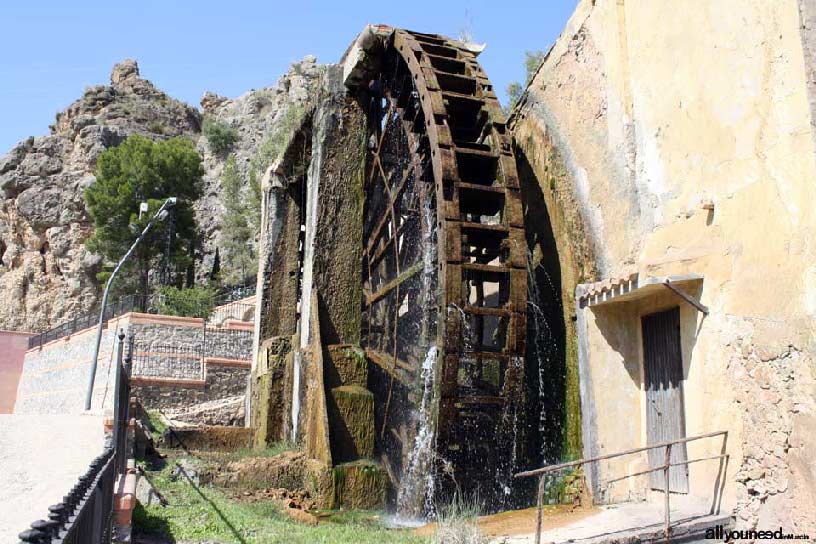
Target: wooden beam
(383,359)
(391,285)
(375,260)
(685,296)
(386,363)
(392,199)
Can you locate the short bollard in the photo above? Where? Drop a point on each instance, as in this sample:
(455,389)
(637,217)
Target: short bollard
(33,535)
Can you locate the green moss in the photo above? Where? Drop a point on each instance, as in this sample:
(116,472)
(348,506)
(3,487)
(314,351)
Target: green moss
(359,484)
(572,447)
(351,420)
(350,364)
(259,408)
(157,426)
(565,488)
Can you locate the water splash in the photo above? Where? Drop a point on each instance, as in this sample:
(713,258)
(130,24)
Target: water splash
(468,340)
(508,438)
(417,486)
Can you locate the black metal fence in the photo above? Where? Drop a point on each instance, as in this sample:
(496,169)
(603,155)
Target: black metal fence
(126,304)
(121,407)
(85,515)
(220,308)
(227,343)
(154,360)
(186,360)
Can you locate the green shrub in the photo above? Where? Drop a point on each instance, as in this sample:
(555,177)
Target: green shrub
(189,302)
(156,127)
(219,135)
(532,60)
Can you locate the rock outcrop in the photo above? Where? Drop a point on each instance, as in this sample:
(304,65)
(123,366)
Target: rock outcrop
(46,274)
(258,117)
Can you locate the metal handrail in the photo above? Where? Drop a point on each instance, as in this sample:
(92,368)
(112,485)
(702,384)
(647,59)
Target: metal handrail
(543,471)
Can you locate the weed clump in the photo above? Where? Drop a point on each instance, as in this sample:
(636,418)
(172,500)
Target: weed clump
(458,522)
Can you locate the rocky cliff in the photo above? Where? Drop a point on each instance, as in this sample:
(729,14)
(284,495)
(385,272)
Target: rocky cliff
(46,274)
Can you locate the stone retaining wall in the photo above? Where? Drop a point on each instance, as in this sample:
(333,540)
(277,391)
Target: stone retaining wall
(192,373)
(221,382)
(55,376)
(196,373)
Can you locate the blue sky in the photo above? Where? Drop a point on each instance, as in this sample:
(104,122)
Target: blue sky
(50,51)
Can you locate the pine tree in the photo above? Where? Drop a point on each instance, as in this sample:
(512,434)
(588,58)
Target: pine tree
(237,233)
(140,170)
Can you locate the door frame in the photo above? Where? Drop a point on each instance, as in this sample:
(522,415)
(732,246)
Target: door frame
(679,451)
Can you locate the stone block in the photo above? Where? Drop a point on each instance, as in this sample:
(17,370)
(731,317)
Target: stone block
(209,438)
(360,484)
(287,470)
(347,366)
(351,423)
(269,390)
(318,482)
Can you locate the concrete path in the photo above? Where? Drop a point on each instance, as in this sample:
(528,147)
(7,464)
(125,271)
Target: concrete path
(41,457)
(623,521)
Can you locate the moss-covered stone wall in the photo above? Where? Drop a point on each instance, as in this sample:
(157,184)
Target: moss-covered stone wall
(561,257)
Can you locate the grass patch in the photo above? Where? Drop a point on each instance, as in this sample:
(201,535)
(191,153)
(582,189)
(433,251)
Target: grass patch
(205,513)
(157,425)
(269,451)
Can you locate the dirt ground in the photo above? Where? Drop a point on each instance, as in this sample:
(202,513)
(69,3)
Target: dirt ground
(521,522)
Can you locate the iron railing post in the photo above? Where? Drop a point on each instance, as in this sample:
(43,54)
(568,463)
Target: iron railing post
(663,468)
(666,467)
(117,391)
(539,508)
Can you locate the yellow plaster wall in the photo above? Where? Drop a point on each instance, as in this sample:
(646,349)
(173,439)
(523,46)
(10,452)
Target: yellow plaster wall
(659,108)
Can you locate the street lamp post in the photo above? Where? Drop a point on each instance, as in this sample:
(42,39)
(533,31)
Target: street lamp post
(160,215)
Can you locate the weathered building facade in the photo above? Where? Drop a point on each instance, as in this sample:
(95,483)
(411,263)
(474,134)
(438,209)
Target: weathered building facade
(676,142)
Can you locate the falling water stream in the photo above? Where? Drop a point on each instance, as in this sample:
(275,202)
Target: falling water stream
(416,490)
(296,394)
(543,348)
(417,486)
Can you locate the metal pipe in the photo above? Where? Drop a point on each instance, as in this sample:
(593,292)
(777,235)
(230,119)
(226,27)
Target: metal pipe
(680,464)
(89,393)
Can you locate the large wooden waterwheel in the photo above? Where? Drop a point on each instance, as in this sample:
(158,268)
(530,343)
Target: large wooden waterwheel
(444,264)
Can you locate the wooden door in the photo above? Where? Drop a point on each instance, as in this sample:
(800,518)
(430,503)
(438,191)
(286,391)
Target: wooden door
(665,416)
